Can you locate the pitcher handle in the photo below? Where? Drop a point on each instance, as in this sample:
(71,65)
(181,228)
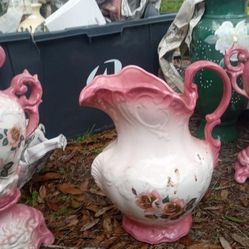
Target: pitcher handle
(2,56)
(25,84)
(212,119)
(242,68)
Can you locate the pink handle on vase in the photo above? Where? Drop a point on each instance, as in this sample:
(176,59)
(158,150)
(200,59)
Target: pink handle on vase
(21,85)
(2,56)
(214,118)
(242,68)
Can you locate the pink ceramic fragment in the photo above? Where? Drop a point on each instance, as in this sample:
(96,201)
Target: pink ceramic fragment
(23,227)
(155,172)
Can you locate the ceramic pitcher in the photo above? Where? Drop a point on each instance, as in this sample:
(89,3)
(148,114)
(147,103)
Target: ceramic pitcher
(15,128)
(155,172)
(241,55)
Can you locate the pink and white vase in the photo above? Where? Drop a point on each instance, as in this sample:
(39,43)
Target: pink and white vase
(155,172)
(20,226)
(241,69)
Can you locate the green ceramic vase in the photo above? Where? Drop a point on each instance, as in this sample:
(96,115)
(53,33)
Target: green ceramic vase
(223,23)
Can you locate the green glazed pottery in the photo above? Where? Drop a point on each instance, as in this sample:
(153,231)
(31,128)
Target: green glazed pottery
(223,24)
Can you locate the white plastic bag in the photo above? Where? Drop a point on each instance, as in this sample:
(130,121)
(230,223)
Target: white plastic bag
(36,153)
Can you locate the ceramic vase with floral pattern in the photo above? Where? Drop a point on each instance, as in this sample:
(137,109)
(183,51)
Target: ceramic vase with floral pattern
(21,227)
(223,24)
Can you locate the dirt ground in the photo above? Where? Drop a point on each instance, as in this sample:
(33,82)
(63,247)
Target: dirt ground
(80,216)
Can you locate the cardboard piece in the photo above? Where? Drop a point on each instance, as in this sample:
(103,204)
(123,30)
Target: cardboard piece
(75,13)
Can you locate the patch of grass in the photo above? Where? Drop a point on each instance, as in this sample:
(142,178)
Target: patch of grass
(85,136)
(32,200)
(65,197)
(62,171)
(62,212)
(169,6)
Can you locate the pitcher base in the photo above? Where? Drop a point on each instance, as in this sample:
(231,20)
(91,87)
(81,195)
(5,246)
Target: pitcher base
(157,234)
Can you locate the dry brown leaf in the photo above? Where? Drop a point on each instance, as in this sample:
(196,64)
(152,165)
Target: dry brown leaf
(92,207)
(107,225)
(46,177)
(53,206)
(84,185)
(244,201)
(108,242)
(204,246)
(144,247)
(42,194)
(89,225)
(96,192)
(75,204)
(67,188)
(242,240)
(120,245)
(224,194)
(72,220)
(225,244)
(79,198)
(186,241)
(117,227)
(103,211)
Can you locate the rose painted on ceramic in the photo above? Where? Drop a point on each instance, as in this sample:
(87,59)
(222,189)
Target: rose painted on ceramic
(228,34)
(148,201)
(11,137)
(155,207)
(14,137)
(174,208)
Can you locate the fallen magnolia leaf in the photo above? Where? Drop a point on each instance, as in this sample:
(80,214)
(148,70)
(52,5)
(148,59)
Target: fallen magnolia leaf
(92,207)
(96,192)
(84,185)
(204,246)
(244,201)
(71,221)
(79,198)
(75,204)
(107,243)
(186,241)
(89,225)
(224,194)
(225,244)
(107,225)
(46,177)
(103,211)
(67,188)
(144,247)
(242,240)
(42,194)
(53,206)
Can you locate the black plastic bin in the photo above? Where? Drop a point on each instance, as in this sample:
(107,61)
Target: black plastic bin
(66,60)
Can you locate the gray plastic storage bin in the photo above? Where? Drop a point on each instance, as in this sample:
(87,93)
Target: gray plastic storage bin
(66,60)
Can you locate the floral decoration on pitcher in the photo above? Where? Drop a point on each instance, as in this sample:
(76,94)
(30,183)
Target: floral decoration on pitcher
(11,137)
(156,207)
(227,34)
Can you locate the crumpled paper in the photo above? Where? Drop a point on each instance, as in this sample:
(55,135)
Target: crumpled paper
(179,35)
(36,152)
